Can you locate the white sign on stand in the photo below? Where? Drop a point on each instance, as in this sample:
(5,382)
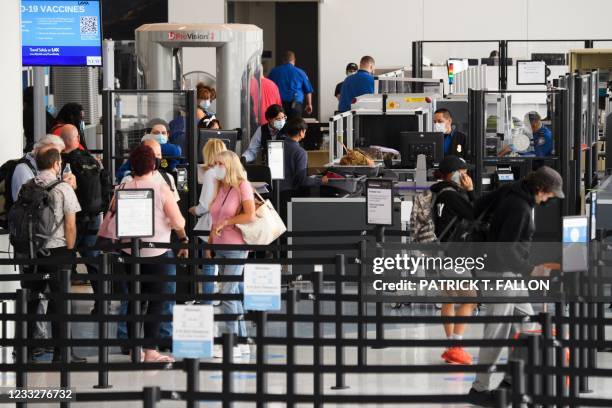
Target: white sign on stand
(135,213)
(530,73)
(379,202)
(262,286)
(276,159)
(192,331)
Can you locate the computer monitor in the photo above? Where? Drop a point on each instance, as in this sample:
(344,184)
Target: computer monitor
(430,144)
(229,137)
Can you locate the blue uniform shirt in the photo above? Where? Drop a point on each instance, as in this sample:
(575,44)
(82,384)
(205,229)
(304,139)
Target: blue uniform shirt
(543,142)
(360,83)
(292,82)
(448,138)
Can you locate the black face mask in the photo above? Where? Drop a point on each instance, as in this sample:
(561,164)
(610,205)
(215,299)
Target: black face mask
(157,163)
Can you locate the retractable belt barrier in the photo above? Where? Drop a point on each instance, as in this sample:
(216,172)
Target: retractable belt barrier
(543,377)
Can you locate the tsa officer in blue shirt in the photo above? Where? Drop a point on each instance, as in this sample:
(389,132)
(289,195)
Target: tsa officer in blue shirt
(294,86)
(542,136)
(455,142)
(358,84)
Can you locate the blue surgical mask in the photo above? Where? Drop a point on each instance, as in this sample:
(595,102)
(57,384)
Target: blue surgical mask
(205,104)
(161,138)
(279,124)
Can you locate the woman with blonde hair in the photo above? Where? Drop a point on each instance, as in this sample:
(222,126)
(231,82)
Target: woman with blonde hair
(233,204)
(209,190)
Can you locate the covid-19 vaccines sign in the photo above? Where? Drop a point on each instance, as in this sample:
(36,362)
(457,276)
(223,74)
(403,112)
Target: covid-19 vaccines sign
(56,33)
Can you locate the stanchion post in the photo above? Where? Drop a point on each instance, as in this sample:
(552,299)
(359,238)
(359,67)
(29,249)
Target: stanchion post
(228,359)
(21,333)
(292,295)
(534,344)
(362,307)
(64,328)
(103,311)
(192,367)
(340,361)
(561,334)
(261,357)
(547,355)
(150,397)
(136,324)
(517,372)
(380,328)
(584,350)
(574,354)
(317,355)
(501,398)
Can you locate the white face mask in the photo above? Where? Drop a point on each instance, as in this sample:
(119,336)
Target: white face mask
(205,104)
(219,172)
(279,124)
(439,127)
(456,177)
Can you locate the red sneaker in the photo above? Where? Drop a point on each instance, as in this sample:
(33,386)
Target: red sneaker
(445,354)
(457,355)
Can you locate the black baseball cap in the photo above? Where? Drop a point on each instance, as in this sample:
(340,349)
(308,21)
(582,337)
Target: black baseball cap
(451,164)
(351,66)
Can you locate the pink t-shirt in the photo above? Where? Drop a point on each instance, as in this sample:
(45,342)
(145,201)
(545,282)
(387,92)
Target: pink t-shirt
(167,214)
(225,206)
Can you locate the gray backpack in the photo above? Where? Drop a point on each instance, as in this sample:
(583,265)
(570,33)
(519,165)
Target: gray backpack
(422,225)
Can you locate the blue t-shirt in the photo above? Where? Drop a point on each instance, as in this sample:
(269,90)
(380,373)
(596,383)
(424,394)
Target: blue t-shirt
(448,138)
(292,82)
(543,142)
(360,83)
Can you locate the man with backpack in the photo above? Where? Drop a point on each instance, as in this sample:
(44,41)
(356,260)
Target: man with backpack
(511,225)
(42,224)
(453,203)
(91,194)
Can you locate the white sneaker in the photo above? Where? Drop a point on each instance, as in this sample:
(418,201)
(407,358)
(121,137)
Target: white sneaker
(245,349)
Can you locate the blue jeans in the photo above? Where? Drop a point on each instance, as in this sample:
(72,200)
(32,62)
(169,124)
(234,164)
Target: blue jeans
(232,306)
(208,288)
(88,239)
(165,329)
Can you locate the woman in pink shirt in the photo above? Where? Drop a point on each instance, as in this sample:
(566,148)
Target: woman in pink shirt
(233,204)
(167,218)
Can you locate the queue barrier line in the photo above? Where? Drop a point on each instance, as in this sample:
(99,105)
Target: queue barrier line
(539,349)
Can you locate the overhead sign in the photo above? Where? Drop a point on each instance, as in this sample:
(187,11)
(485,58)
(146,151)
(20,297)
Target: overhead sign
(61,33)
(530,73)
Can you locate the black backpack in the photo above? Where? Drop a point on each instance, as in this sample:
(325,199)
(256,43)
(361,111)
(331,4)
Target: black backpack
(31,218)
(6,195)
(88,173)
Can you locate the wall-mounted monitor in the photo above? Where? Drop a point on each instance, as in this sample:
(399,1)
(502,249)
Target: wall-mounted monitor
(61,33)
(530,73)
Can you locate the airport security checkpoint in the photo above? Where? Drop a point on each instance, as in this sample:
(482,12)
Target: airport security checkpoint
(191,217)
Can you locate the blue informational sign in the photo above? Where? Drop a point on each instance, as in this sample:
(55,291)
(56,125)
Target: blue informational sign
(192,348)
(61,33)
(575,239)
(262,287)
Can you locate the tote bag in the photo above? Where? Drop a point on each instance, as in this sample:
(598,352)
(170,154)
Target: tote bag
(266,228)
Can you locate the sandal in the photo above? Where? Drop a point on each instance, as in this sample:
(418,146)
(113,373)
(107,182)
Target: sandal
(154,356)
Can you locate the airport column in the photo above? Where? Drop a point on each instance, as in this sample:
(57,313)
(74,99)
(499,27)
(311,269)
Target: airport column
(10,106)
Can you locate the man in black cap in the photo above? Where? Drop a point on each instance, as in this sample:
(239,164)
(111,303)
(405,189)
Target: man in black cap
(453,202)
(512,226)
(351,68)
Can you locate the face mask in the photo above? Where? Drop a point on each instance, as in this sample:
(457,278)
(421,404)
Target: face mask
(456,177)
(161,138)
(205,104)
(219,173)
(349,73)
(439,127)
(279,124)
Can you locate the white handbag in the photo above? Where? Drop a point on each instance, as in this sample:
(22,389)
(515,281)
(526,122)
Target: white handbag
(266,228)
